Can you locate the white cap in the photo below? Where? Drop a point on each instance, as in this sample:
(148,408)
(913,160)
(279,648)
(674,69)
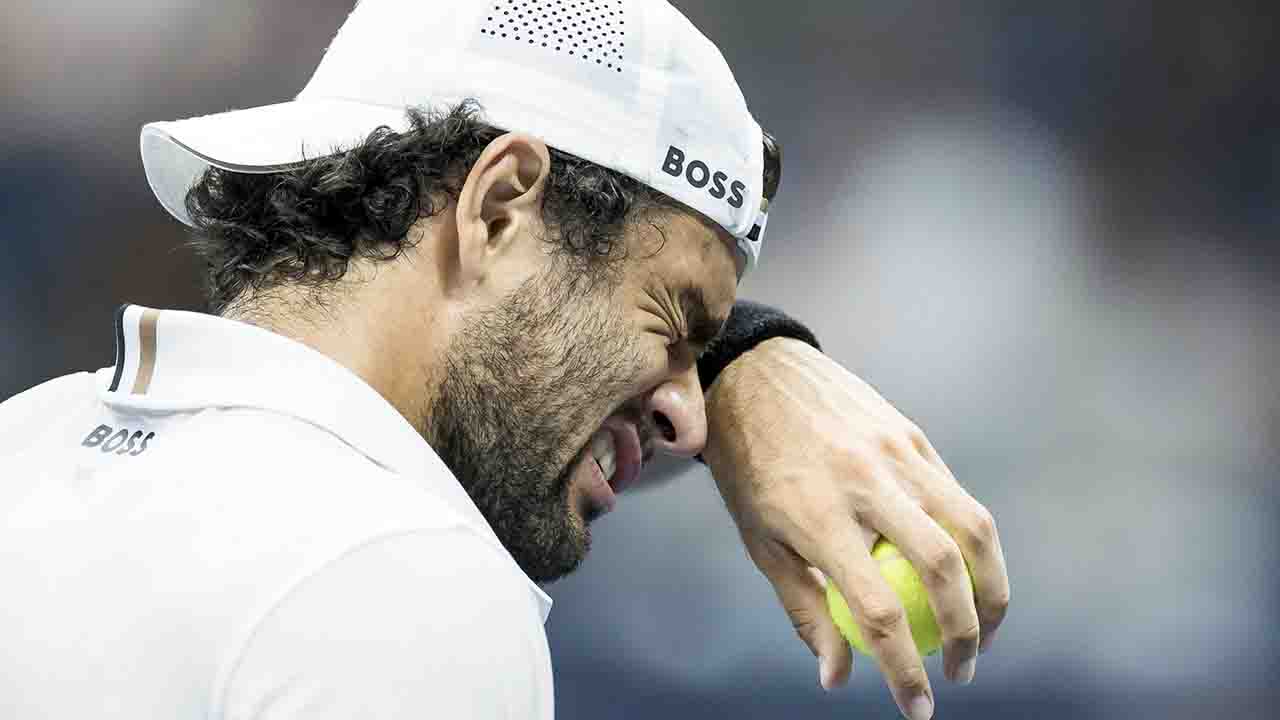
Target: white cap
(630,85)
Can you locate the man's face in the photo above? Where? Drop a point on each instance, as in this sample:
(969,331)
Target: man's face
(553,397)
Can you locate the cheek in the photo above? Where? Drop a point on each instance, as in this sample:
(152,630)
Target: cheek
(614,350)
(644,355)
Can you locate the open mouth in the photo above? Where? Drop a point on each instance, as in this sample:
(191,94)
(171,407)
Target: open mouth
(616,450)
(614,461)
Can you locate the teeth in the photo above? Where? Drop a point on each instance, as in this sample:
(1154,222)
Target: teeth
(603,451)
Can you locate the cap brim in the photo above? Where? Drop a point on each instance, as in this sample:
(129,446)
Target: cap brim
(264,139)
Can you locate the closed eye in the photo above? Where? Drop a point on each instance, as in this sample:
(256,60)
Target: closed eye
(693,324)
(701,326)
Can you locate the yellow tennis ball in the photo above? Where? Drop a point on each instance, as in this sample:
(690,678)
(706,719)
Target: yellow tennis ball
(905,581)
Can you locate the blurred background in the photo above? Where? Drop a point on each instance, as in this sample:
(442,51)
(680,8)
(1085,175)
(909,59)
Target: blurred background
(1048,232)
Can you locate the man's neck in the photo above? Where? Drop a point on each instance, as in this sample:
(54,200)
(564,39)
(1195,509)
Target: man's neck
(367,324)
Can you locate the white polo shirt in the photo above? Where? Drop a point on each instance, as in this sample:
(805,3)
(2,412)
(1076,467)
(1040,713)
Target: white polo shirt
(228,524)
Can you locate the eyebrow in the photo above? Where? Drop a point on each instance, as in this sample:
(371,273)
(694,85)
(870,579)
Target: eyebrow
(703,327)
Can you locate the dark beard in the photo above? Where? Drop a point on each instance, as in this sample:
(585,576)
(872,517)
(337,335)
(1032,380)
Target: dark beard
(526,384)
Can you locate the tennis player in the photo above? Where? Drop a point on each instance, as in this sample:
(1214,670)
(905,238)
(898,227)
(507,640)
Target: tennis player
(462,287)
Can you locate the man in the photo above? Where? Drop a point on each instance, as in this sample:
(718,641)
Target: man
(462,287)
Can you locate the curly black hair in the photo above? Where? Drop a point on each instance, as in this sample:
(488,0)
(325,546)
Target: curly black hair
(304,225)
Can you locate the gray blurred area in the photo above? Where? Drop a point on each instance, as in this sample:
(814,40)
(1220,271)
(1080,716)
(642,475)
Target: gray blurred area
(1049,233)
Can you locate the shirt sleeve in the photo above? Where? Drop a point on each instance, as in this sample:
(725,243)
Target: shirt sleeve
(432,624)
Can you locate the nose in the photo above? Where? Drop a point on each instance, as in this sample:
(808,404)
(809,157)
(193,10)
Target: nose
(677,415)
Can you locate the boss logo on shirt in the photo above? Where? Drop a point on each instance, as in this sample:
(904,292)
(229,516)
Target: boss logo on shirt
(700,175)
(121,442)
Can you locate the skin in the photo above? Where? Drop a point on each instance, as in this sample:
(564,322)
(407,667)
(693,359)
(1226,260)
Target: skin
(508,360)
(484,342)
(814,482)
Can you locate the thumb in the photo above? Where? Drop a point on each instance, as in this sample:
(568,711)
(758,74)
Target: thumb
(802,591)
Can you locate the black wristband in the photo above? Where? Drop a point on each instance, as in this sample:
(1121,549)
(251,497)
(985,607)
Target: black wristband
(749,325)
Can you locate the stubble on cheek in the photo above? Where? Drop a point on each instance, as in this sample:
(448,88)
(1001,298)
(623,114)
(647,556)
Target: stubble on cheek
(524,389)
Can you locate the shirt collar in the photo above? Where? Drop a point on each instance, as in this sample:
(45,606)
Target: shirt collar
(177,360)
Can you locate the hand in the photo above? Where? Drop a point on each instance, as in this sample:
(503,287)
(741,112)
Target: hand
(814,465)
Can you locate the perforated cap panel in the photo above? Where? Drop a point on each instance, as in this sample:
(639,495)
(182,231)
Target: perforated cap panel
(591,30)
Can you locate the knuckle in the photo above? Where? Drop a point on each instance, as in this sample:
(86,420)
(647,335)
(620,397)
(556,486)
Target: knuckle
(998,607)
(860,460)
(941,565)
(805,625)
(912,680)
(895,445)
(968,636)
(867,466)
(917,439)
(959,622)
(981,530)
(882,620)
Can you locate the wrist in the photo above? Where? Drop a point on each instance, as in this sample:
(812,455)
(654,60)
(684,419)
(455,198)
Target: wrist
(742,381)
(754,336)
(744,390)
(750,325)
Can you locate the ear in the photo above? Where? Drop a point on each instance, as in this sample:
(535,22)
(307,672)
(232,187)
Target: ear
(500,205)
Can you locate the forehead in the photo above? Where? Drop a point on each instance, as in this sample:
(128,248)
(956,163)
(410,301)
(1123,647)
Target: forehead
(684,249)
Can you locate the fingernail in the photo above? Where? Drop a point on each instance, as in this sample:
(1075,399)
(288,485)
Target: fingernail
(822,673)
(921,708)
(964,672)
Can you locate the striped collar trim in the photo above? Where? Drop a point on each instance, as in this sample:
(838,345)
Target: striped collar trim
(139,325)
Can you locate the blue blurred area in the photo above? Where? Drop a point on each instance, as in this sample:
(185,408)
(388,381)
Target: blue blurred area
(1047,232)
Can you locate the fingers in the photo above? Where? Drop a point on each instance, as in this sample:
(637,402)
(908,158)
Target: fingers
(941,566)
(974,530)
(802,593)
(881,620)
